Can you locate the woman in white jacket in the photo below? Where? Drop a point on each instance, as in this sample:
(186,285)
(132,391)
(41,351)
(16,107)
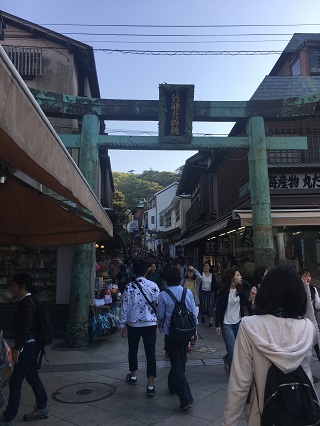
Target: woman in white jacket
(278,334)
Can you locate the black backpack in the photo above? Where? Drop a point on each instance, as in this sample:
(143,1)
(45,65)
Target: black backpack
(42,328)
(182,324)
(289,399)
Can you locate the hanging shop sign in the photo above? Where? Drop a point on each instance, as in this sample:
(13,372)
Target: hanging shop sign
(175,113)
(211,248)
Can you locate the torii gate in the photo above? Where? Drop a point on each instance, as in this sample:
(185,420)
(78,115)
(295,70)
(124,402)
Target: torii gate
(175,110)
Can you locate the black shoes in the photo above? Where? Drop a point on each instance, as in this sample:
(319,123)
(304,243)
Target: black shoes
(131,380)
(151,390)
(186,406)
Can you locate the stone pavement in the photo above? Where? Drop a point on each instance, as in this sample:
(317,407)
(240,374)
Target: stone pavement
(86,386)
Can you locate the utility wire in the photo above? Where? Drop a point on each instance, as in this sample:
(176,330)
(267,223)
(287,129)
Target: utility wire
(182,42)
(178,35)
(183,26)
(191,52)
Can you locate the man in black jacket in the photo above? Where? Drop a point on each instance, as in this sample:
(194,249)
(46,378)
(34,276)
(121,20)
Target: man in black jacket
(25,354)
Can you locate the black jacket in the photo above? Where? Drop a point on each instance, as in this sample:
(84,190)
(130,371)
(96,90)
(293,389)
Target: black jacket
(222,303)
(24,321)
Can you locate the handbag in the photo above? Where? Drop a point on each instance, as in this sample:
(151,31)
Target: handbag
(143,294)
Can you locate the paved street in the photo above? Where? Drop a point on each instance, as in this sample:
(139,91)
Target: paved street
(86,386)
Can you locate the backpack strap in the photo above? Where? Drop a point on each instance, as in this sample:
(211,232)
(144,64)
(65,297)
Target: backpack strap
(144,295)
(173,297)
(183,297)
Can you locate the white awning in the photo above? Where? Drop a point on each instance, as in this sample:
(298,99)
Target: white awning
(288,217)
(204,233)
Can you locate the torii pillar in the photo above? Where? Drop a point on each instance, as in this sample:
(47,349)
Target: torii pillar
(83,254)
(264,252)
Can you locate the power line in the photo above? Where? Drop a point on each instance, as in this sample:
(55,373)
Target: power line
(183,26)
(191,52)
(177,35)
(182,42)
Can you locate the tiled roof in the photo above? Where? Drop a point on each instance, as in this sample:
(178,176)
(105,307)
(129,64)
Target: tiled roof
(280,87)
(298,39)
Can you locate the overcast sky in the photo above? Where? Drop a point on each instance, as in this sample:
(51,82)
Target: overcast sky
(231,26)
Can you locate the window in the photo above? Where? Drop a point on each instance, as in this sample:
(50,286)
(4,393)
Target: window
(27,60)
(167,219)
(314,61)
(177,211)
(283,156)
(161,220)
(296,67)
(152,220)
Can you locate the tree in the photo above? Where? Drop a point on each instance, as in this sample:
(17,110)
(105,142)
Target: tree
(162,178)
(134,188)
(144,185)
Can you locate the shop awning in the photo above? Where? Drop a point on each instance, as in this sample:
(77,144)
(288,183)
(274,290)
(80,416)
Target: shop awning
(288,217)
(204,233)
(28,143)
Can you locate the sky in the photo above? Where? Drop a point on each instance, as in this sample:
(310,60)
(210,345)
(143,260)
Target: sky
(174,25)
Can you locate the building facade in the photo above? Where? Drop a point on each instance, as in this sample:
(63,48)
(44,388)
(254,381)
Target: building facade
(50,62)
(293,176)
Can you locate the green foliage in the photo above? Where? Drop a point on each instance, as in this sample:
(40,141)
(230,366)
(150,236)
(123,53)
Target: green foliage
(135,186)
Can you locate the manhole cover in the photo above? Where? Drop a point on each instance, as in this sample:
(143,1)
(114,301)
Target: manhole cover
(83,392)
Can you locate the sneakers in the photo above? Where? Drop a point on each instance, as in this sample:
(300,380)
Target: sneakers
(186,406)
(151,390)
(226,364)
(210,325)
(36,414)
(131,380)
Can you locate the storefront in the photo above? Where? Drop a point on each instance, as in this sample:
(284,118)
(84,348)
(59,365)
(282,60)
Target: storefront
(47,206)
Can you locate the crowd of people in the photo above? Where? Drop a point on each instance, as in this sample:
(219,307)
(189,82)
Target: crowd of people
(252,319)
(271,323)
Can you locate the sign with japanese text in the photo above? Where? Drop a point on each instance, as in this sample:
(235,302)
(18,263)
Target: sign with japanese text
(294,181)
(175,113)
(287,181)
(211,247)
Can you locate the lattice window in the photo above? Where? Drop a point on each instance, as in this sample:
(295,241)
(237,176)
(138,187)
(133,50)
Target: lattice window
(27,60)
(167,219)
(177,211)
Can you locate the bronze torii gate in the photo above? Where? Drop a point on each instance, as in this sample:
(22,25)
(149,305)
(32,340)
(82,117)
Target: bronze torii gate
(175,111)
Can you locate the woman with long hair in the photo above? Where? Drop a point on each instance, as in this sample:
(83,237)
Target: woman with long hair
(277,334)
(258,274)
(207,294)
(231,301)
(192,281)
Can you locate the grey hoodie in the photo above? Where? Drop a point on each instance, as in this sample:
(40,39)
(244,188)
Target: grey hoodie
(263,339)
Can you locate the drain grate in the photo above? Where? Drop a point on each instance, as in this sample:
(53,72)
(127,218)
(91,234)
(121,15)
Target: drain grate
(80,393)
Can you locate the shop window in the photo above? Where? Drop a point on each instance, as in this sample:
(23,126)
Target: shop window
(39,262)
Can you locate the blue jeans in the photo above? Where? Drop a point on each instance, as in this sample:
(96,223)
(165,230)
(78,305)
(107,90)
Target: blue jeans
(25,368)
(229,334)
